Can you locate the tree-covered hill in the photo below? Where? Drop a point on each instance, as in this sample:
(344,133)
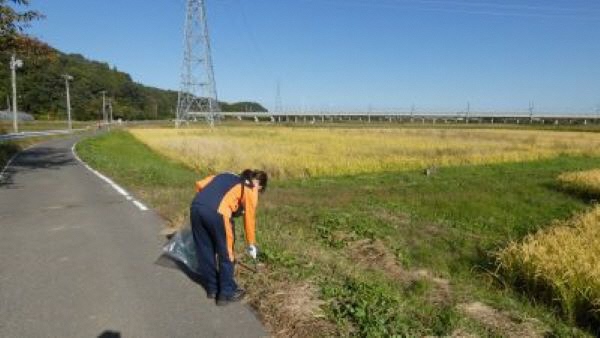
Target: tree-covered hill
(41,89)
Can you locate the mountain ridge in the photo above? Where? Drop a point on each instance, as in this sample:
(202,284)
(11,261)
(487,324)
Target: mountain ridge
(41,89)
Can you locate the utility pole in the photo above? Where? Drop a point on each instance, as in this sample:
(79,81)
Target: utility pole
(67,79)
(110,110)
(278,103)
(198,93)
(14,64)
(104,118)
(468,112)
(531,111)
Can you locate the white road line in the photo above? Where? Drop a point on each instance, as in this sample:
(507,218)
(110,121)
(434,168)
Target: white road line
(115,186)
(140,205)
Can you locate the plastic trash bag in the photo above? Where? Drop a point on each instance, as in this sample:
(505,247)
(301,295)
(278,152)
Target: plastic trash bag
(182,248)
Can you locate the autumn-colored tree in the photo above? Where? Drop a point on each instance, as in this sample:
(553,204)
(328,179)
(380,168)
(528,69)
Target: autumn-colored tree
(13,23)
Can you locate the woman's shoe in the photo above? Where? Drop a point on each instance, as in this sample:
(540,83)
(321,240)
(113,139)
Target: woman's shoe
(236,297)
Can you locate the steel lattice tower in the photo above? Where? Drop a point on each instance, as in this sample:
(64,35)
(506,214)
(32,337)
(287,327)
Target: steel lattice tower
(198,93)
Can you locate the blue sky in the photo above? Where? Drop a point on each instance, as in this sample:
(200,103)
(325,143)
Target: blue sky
(354,54)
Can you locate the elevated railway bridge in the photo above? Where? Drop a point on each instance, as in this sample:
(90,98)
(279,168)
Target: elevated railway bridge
(403,117)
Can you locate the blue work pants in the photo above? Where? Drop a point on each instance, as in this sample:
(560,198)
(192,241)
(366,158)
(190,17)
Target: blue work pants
(208,228)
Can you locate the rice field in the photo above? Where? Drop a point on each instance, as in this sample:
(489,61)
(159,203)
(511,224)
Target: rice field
(561,263)
(582,182)
(308,152)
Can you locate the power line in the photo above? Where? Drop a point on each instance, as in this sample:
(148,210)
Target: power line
(495,5)
(592,14)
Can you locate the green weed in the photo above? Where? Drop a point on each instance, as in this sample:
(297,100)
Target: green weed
(373,308)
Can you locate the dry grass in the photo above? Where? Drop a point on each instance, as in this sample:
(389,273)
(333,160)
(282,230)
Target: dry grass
(301,152)
(563,262)
(582,182)
(374,254)
(504,323)
(289,309)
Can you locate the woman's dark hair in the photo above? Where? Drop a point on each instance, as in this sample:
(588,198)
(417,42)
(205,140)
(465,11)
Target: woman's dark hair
(262,177)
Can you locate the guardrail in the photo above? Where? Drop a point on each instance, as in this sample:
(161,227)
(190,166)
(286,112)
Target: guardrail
(27,134)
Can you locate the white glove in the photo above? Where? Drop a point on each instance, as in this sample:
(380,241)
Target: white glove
(252,251)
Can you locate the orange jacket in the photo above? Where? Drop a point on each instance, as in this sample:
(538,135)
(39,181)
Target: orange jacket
(226,196)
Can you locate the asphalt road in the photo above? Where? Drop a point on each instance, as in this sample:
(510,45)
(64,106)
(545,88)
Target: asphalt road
(77,259)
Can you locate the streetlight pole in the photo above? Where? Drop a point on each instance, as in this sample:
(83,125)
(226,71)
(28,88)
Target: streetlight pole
(14,64)
(67,79)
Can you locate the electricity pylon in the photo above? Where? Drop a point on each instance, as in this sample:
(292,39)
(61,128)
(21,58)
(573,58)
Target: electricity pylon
(198,93)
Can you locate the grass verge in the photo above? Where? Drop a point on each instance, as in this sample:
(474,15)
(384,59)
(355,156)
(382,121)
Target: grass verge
(378,254)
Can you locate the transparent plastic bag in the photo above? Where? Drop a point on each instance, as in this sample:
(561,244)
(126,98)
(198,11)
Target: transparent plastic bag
(182,248)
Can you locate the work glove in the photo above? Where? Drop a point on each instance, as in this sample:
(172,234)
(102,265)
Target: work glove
(252,251)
